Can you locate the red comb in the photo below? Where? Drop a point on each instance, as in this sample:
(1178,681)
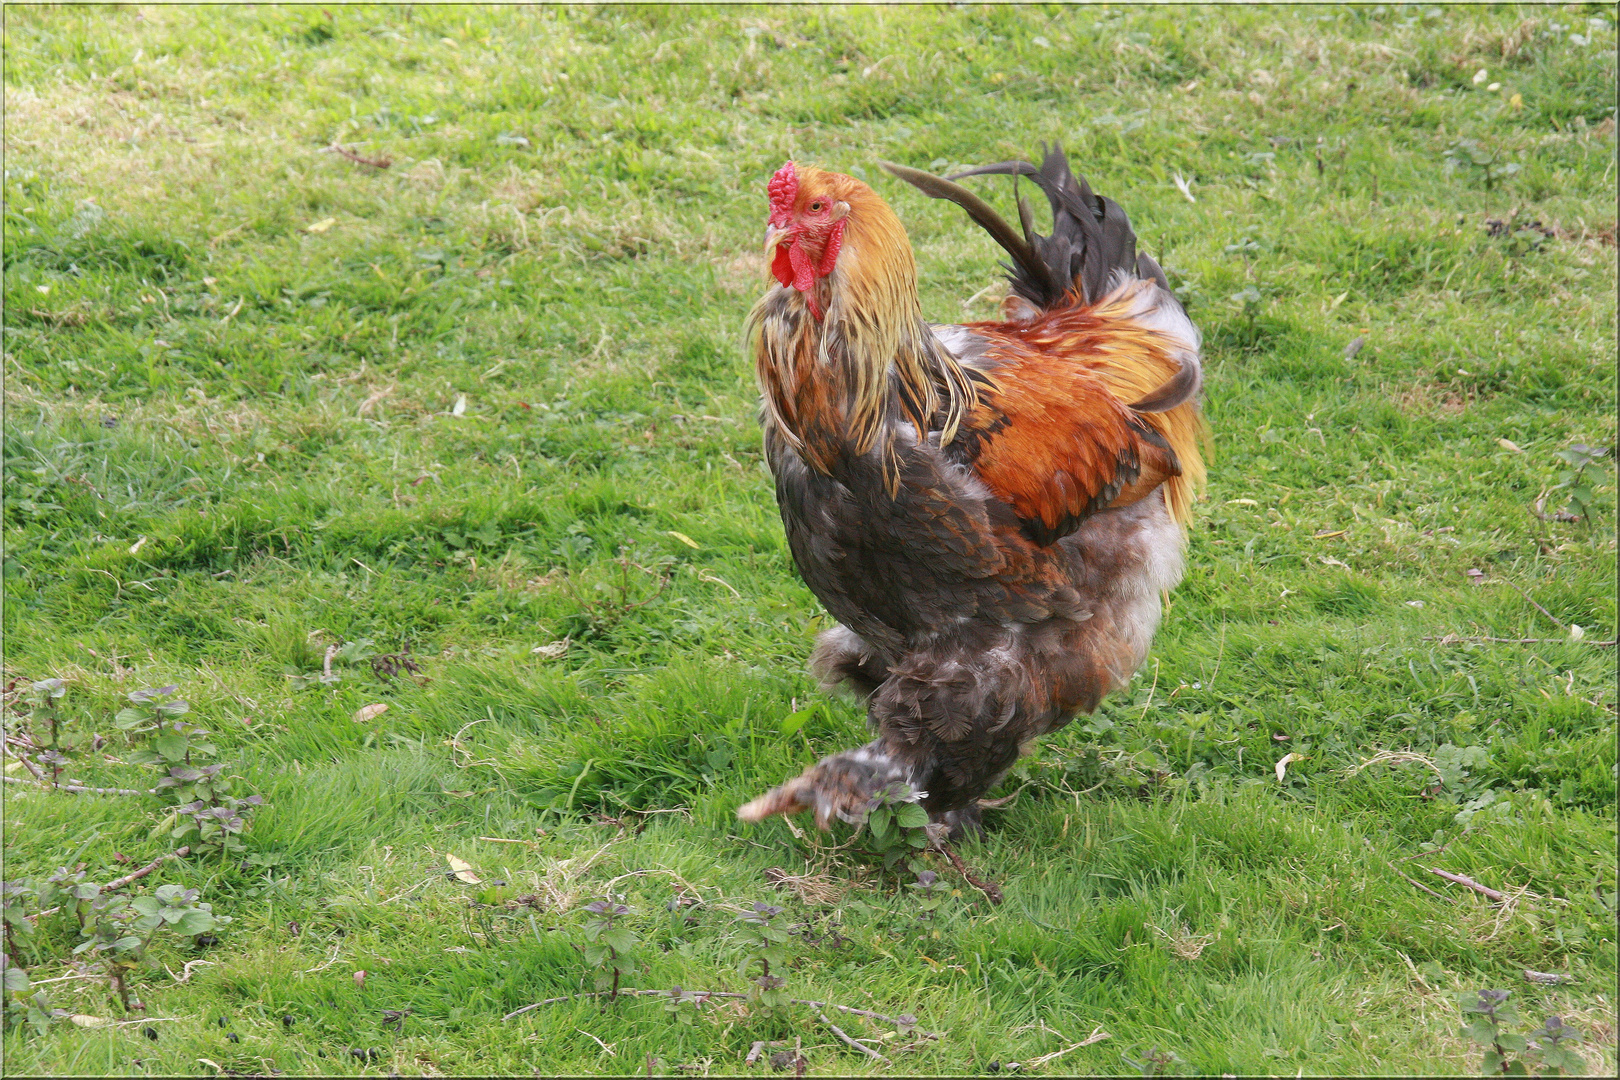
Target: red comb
(783,189)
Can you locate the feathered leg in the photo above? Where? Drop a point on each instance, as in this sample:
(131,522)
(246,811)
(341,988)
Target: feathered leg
(842,786)
(949,727)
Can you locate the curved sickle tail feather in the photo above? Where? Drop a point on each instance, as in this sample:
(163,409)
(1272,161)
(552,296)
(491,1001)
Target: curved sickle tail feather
(1180,388)
(1091,239)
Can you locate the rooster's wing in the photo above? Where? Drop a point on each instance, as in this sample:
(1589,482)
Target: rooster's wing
(1051,440)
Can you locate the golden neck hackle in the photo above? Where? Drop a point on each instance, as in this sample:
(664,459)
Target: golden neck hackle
(840,385)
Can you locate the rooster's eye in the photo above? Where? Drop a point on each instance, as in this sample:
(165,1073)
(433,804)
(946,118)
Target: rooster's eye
(815,207)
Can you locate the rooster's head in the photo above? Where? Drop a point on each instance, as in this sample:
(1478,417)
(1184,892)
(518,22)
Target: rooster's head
(833,381)
(813,219)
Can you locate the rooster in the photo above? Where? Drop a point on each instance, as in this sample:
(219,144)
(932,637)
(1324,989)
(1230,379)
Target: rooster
(991,511)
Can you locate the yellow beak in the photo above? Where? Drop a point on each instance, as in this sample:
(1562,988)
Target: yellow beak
(774,236)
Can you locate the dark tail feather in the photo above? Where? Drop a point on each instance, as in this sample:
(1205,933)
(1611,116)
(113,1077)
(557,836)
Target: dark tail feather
(1027,262)
(1181,387)
(1091,237)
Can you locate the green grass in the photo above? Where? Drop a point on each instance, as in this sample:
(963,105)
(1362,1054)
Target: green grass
(235,435)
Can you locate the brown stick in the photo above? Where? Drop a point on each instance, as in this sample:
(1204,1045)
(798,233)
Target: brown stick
(345,152)
(1419,855)
(1425,888)
(78,788)
(119,883)
(1483,890)
(1561,624)
(838,1031)
(38,915)
(989,888)
(755,1051)
(31,767)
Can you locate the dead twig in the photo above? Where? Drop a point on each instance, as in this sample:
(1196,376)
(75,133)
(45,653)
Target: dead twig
(1561,624)
(759,1048)
(989,888)
(29,765)
(1419,855)
(1097,1035)
(185,972)
(1483,890)
(119,883)
(838,1031)
(79,789)
(345,152)
(1425,888)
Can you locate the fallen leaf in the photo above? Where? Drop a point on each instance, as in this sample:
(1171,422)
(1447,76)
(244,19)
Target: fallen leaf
(1354,347)
(1576,633)
(1509,445)
(1328,560)
(1241,502)
(360,979)
(89,1021)
(552,651)
(1282,765)
(1475,575)
(1327,535)
(460,406)
(137,545)
(456,794)
(1414,603)
(321,225)
(687,540)
(216,1066)
(463,869)
(369,712)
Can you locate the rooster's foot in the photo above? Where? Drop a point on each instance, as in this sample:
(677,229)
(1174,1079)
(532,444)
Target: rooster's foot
(843,786)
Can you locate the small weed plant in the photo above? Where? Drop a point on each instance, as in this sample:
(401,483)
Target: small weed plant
(610,949)
(767,945)
(1574,482)
(1471,158)
(1545,1051)
(897,829)
(116,932)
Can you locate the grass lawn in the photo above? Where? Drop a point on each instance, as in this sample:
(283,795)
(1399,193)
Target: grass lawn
(457,421)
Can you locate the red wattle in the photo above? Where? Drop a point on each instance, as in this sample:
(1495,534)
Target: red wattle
(781,265)
(804,278)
